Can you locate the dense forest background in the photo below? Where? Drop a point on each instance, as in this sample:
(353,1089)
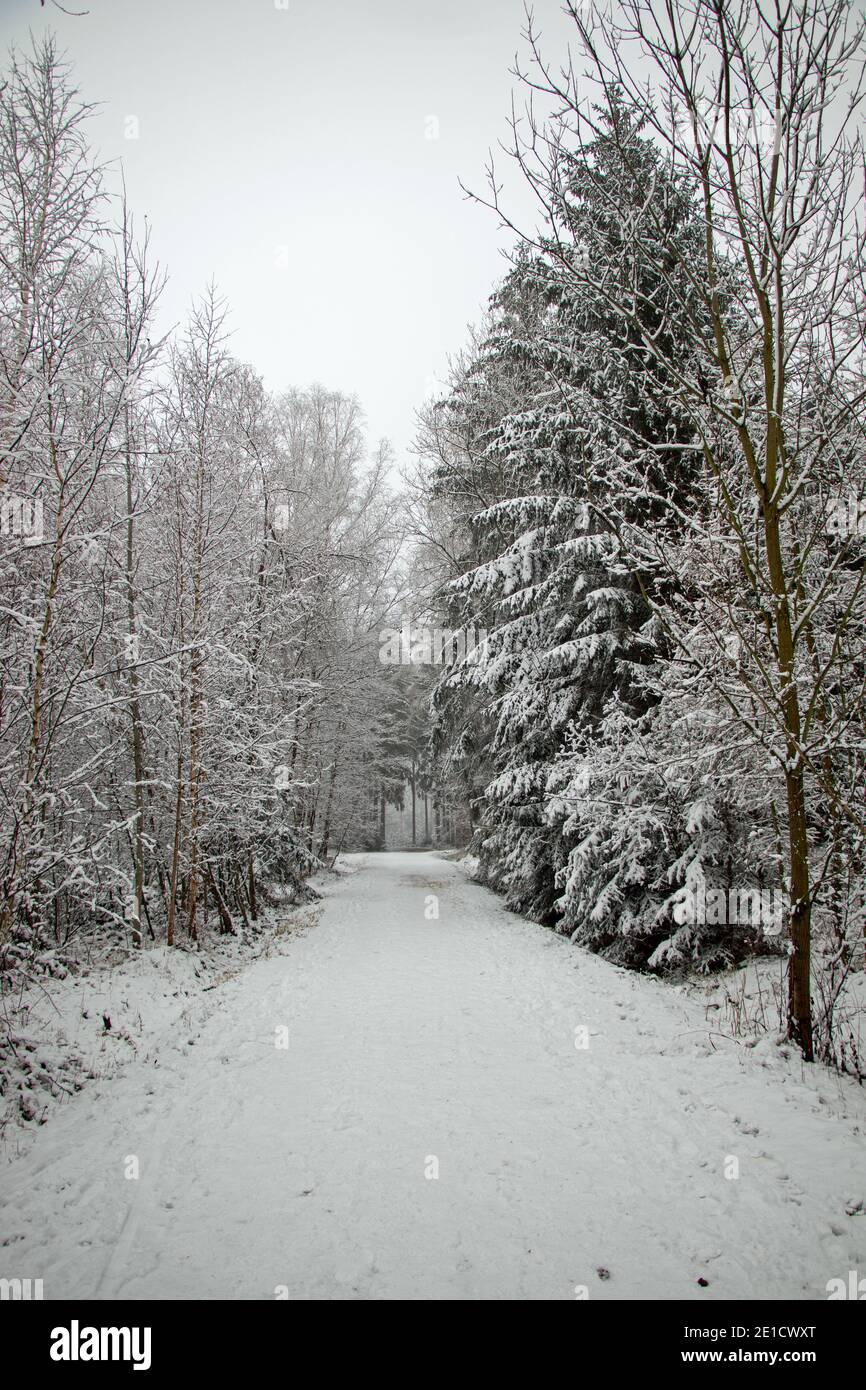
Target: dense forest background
(642,493)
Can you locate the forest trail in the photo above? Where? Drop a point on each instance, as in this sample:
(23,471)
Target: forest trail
(417,1041)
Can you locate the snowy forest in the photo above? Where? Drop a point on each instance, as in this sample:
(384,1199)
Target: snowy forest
(194,572)
(598,640)
(646,485)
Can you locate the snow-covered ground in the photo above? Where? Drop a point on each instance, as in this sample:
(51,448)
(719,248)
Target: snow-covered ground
(434,1128)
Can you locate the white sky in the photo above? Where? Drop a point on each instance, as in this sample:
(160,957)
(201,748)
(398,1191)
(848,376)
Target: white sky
(306,129)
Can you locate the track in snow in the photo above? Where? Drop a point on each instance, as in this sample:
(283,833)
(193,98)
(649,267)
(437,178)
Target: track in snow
(417,1043)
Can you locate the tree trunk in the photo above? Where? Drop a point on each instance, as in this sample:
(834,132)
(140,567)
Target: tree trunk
(252,884)
(175,854)
(134,696)
(222,911)
(412,785)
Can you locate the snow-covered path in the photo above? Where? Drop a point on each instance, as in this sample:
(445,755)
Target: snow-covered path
(417,1042)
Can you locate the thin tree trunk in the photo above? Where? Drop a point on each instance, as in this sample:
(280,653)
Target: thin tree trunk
(329,806)
(223,913)
(251,879)
(412,785)
(175,853)
(134,698)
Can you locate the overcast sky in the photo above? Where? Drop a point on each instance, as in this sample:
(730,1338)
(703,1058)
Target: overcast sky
(307,158)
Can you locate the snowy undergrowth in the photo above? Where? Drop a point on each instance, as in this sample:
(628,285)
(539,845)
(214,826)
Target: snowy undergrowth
(749,1003)
(81,1018)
